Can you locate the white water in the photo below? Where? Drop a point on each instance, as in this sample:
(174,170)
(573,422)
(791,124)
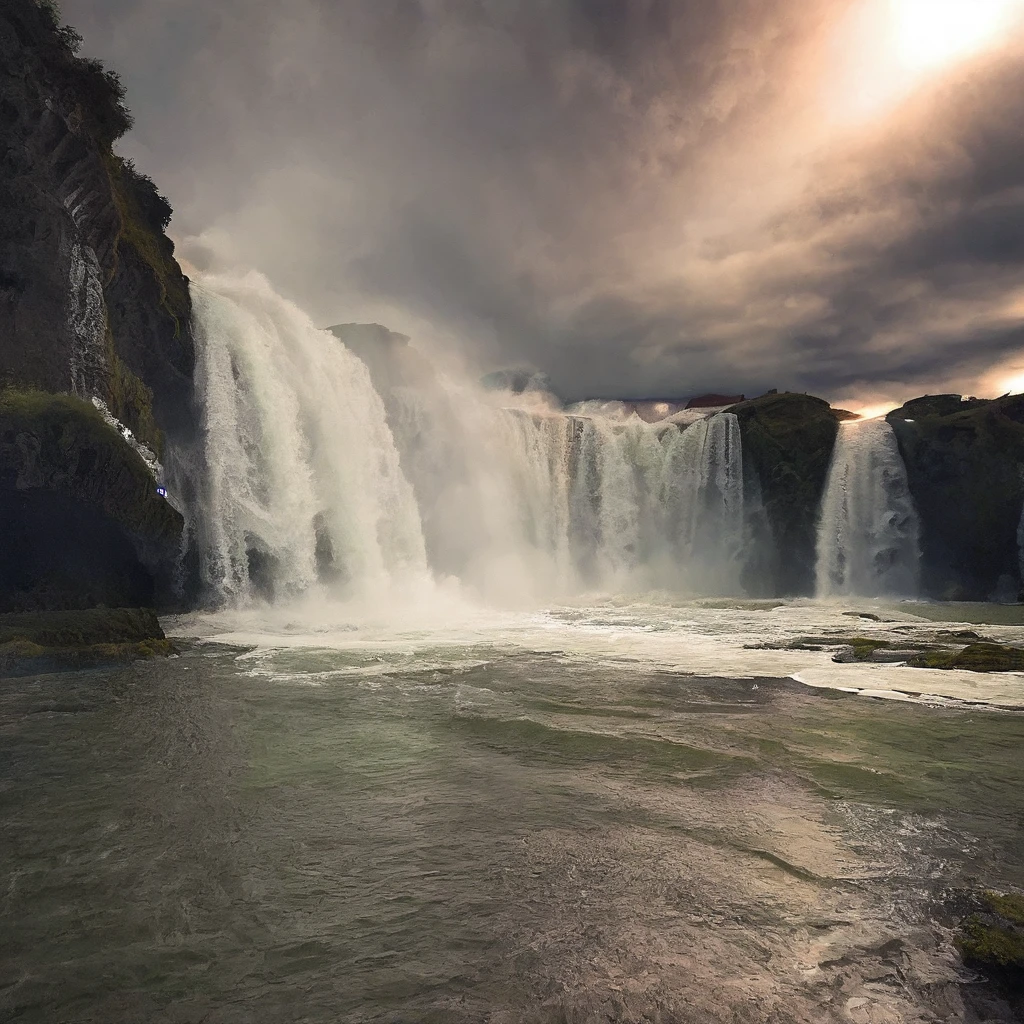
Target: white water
(868,532)
(298,475)
(307,478)
(526,503)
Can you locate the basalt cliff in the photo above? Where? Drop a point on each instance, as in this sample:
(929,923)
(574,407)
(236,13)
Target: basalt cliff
(95,335)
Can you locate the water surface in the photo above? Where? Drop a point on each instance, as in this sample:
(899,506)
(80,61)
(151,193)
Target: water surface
(547,818)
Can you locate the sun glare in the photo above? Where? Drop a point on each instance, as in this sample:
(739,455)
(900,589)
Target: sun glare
(884,49)
(932,33)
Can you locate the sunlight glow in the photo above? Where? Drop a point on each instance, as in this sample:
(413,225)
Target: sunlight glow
(883,50)
(932,33)
(872,412)
(1014,385)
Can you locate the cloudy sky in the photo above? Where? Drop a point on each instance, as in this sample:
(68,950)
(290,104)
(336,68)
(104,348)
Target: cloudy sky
(640,197)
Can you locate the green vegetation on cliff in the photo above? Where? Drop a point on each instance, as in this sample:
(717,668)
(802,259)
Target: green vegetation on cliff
(788,438)
(144,215)
(58,441)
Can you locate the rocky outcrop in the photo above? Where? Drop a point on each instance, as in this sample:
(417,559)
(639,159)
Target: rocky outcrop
(787,446)
(389,357)
(965,466)
(35,642)
(93,306)
(91,298)
(80,517)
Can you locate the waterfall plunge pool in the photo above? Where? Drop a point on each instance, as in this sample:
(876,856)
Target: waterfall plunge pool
(607,811)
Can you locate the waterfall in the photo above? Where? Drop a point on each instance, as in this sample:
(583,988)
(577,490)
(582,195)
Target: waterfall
(537,501)
(868,533)
(308,476)
(297,480)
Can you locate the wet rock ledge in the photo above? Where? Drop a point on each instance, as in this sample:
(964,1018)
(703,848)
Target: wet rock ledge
(34,643)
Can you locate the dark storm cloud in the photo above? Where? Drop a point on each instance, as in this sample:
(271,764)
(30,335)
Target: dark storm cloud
(636,196)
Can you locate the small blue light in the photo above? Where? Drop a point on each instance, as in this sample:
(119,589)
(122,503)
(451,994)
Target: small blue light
(162,491)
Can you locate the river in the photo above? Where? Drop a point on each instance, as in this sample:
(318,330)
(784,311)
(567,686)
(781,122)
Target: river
(614,810)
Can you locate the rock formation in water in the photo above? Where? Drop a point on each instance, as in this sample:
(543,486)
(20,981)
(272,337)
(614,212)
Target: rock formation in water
(787,443)
(965,466)
(92,305)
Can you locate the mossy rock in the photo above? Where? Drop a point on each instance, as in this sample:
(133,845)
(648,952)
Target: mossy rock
(60,442)
(79,511)
(977,657)
(37,642)
(82,627)
(992,941)
(863,647)
(788,441)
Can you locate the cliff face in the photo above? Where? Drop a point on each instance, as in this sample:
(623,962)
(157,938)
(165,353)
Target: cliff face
(91,299)
(79,514)
(92,305)
(965,466)
(787,444)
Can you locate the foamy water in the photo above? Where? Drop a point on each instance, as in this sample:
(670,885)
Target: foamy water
(701,637)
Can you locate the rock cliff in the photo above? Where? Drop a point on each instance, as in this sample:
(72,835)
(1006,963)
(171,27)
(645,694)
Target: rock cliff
(93,305)
(965,466)
(91,298)
(787,446)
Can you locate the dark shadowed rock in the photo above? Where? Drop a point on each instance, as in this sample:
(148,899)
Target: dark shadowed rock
(714,401)
(787,442)
(965,466)
(81,521)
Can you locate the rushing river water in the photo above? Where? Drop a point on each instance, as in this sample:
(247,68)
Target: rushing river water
(554,817)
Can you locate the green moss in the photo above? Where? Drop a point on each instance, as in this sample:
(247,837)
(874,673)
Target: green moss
(142,231)
(64,444)
(1009,906)
(992,941)
(978,657)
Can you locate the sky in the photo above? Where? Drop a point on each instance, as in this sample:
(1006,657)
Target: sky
(641,198)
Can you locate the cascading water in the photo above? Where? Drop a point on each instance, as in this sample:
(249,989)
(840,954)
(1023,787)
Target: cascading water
(514,497)
(306,477)
(298,480)
(868,532)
